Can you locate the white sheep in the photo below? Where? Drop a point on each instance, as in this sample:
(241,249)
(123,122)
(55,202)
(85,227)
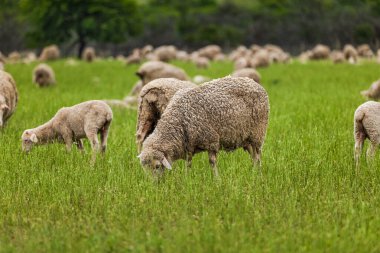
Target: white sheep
(72,124)
(8,97)
(43,75)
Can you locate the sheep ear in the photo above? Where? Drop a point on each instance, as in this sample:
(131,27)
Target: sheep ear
(166,163)
(33,138)
(4,107)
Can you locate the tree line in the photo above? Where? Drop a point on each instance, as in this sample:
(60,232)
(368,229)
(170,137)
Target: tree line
(117,26)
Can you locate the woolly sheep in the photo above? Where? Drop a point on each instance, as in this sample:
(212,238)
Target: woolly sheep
(166,53)
(155,69)
(373,92)
(350,54)
(210,51)
(248,72)
(88,54)
(2,66)
(43,75)
(224,114)
(260,59)
(366,126)
(241,63)
(320,52)
(14,57)
(202,62)
(365,51)
(50,53)
(153,99)
(337,56)
(8,97)
(182,56)
(146,50)
(72,124)
(2,58)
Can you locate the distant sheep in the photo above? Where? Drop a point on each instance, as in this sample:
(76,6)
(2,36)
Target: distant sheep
(88,54)
(43,75)
(320,52)
(72,124)
(14,57)
(350,54)
(202,62)
(2,66)
(373,92)
(241,63)
(337,57)
(153,99)
(50,53)
(8,97)
(155,69)
(365,51)
(248,72)
(166,53)
(260,59)
(210,51)
(226,113)
(366,126)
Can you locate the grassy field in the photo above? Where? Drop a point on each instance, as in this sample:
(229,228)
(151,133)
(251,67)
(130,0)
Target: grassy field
(308,197)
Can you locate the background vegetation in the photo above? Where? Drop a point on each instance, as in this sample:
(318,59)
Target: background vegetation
(119,25)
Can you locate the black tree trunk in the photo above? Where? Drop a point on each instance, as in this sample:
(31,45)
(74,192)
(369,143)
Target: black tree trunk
(82,45)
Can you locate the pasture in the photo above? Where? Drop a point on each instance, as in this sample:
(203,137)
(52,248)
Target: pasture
(307,198)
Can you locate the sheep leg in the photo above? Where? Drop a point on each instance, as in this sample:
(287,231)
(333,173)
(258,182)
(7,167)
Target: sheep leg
(189,159)
(104,135)
(93,137)
(80,145)
(68,141)
(359,140)
(212,159)
(371,151)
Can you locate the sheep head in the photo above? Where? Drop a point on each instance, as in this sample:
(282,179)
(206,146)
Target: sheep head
(29,138)
(3,110)
(154,161)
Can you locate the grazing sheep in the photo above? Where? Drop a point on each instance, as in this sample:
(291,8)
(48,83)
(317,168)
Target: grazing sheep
(210,51)
(43,75)
(14,57)
(365,51)
(248,72)
(320,52)
(8,97)
(71,124)
(133,59)
(305,56)
(220,57)
(155,69)
(260,59)
(350,54)
(202,62)
(366,126)
(50,53)
(29,58)
(182,56)
(146,50)
(153,99)
(88,54)
(337,56)
(224,114)
(373,92)
(166,53)
(241,63)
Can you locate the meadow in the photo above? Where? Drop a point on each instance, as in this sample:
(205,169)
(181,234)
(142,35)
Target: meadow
(307,197)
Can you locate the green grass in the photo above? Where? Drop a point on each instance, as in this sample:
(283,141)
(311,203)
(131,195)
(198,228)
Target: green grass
(308,197)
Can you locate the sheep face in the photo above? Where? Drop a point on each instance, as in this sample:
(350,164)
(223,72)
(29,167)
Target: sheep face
(154,161)
(28,140)
(3,111)
(41,77)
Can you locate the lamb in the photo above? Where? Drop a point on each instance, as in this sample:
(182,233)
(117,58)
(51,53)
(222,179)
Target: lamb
(88,54)
(50,53)
(224,114)
(248,72)
(366,126)
(373,92)
(153,99)
(72,124)
(8,97)
(156,69)
(43,75)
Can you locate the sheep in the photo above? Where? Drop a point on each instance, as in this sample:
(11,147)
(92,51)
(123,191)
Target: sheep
(260,59)
(202,62)
(241,63)
(88,54)
(155,69)
(373,92)
(166,53)
(248,72)
(146,50)
(320,52)
(8,97)
(72,124)
(350,54)
(50,53)
(182,56)
(133,59)
(29,58)
(220,57)
(304,57)
(365,51)
(153,99)
(366,126)
(337,56)
(2,66)
(2,58)
(210,51)
(14,57)
(43,75)
(224,114)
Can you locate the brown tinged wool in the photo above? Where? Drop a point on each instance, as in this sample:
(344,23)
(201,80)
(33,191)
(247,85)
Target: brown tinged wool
(373,92)
(366,126)
(241,63)
(72,124)
(320,52)
(350,53)
(260,59)
(43,75)
(50,53)
(224,114)
(210,51)
(166,53)
(337,57)
(88,54)
(153,100)
(202,62)
(155,69)
(365,51)
(8,97)
(247,72)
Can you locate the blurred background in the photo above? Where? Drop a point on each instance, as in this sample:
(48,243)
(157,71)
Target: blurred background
(117,26)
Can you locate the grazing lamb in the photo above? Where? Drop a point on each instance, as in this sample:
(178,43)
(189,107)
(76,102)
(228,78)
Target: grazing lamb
(224,114)
(43,75)
(155,69)
(88,54)
(366,126)
(71,124)
(373,92)
(8,97)
(50,53)
(154,98)
(248,72)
